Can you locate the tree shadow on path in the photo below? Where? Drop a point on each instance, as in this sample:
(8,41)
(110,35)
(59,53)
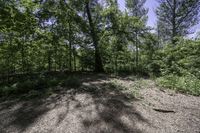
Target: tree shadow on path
(103,107)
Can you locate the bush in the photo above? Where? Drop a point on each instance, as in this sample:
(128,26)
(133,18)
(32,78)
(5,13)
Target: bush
(35,86)
(185,56)
(72,82)
(41,82)
(53,82)
(179,66)
(186,84)
(17,88)
(6,90)
(25,87)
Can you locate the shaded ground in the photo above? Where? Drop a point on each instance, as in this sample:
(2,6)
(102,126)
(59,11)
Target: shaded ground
(104,105)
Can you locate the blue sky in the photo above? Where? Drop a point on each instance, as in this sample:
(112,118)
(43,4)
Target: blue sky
(152,5)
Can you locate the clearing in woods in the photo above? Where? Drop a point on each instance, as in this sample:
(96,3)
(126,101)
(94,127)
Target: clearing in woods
(104,104)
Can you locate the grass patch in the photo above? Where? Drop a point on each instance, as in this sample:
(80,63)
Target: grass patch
(132,89)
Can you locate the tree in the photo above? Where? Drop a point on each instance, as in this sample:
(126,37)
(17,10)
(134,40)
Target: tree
(136,8)
(198,36)
(93,33)
(177,17)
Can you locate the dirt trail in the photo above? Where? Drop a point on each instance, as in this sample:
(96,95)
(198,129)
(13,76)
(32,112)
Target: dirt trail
(101,106)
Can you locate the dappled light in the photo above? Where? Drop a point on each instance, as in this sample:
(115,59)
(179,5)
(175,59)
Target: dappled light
(99,104)
(99,66)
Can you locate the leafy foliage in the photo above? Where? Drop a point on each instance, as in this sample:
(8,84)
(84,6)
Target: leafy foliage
(176,17)
(186,84)
(180,67)
(38,37)
(182,59)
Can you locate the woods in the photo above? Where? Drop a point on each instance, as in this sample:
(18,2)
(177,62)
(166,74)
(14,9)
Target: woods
(92,35)
(43,36)
(177,17)
(100,66)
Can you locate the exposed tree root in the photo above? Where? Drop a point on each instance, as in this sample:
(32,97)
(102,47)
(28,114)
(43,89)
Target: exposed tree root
(164,111)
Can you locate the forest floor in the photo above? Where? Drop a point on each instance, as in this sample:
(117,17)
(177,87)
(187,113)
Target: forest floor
(104,104)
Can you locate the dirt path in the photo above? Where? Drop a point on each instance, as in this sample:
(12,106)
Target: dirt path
(104,105)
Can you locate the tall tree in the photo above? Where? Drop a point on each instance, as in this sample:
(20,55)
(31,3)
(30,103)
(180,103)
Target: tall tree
(136,8)
(95,39)
(178,16)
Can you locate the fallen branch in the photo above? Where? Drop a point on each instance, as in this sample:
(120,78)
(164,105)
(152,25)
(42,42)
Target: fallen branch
(164,111)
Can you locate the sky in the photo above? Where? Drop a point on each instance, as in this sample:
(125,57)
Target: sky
(152,19)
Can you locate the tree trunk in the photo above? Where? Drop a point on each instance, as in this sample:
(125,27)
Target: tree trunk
(55,49)
(116,63)
(70,47)
(137,52)
(174,23)
(136,45)
(49,61)
(74,54)
(98,61)
(23,54)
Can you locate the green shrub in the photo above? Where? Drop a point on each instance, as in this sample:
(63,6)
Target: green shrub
(32,87)
(25,87)
(185,56)
(72,82)
(186,84)
(33,94)
(53,82)
(41,83)
(10,90)
(6,90)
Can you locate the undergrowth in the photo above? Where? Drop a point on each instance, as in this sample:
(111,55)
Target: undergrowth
(188,84)
(42,85)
